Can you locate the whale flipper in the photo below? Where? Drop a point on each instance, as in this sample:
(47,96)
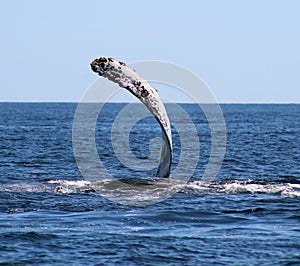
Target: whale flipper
(127,78)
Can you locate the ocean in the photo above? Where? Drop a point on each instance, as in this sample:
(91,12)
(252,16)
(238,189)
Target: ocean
(248,214)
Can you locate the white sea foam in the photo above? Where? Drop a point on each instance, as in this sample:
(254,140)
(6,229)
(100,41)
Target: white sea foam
(249,186)
(237,187)
(77,183)
(26,188)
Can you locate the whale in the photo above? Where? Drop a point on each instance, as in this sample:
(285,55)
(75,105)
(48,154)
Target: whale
(127,78)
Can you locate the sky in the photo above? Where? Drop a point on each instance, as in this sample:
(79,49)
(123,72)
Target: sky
(245,51)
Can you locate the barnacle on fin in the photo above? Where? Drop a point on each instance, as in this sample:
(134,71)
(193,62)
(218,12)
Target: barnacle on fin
(144,93)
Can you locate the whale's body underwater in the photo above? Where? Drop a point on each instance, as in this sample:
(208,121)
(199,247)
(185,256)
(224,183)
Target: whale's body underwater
(127,78)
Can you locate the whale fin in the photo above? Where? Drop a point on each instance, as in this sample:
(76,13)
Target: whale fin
(127,78)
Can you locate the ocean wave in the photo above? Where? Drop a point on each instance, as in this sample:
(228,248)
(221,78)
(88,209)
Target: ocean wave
(246,187)
(203,187)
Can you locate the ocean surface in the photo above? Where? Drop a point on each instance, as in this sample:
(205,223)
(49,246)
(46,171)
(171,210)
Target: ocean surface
(249,214)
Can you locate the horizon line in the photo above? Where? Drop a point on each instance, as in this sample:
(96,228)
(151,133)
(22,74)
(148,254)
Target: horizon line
(77,102)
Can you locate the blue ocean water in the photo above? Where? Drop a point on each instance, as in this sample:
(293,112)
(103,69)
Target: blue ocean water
(248,215)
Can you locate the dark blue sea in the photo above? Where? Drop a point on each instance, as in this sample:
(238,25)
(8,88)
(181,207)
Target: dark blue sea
(249,214)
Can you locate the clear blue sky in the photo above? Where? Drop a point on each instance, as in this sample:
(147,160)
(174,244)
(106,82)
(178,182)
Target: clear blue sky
(246,51)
